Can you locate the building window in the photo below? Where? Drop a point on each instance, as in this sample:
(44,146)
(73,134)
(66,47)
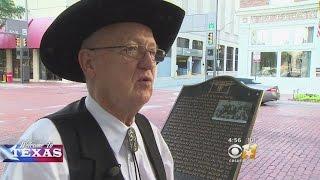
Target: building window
(295,63)
(196,65)
(210,65)
(236,60)
(229,62)
(197,45)
(46,74)
(220,60)
(183,42)
(266,66)
(182,63)
(282,36)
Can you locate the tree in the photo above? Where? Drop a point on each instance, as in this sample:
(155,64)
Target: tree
(9,10)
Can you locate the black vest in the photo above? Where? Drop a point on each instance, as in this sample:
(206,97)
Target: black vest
(89,154)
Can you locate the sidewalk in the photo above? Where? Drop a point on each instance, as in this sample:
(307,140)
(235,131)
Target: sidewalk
(170,82)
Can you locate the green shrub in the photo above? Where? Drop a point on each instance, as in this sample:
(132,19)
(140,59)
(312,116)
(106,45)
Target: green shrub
(307,97)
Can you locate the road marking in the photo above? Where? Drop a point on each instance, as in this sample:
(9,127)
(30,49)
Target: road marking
(48,107)
(150,107)
(57,106)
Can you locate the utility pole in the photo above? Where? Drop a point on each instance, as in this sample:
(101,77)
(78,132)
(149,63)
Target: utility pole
(212,40)
(24,66)
(26,7)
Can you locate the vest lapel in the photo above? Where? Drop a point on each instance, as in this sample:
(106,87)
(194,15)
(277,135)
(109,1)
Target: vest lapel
(84,142)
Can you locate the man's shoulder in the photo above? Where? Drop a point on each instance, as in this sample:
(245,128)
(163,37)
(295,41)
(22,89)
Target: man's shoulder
(69,110)
(41,131)
(68,115)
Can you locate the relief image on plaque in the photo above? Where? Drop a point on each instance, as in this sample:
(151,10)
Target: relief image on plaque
(232,111)
(202,120)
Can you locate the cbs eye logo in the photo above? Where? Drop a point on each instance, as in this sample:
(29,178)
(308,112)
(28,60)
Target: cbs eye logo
(235,151)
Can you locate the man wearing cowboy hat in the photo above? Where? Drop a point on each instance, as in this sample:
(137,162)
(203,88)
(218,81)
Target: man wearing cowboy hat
(112,46)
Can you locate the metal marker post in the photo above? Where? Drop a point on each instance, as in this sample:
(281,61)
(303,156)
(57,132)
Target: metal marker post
(212,41)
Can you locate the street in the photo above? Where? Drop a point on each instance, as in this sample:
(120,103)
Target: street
(286,132)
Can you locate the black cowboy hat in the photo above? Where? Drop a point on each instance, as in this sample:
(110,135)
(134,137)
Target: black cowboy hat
(62,41)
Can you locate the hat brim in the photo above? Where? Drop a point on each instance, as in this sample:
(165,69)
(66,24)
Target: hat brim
(62,41)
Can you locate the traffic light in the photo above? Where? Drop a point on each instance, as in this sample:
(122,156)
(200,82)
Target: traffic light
(210,38)
(18,41)
(24,42)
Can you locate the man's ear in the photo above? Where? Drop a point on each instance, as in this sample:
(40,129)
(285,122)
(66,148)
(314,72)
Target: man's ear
(86,60)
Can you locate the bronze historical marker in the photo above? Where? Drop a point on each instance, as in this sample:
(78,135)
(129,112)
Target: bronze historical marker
(203,119)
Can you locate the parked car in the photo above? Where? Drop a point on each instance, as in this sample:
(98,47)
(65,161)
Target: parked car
(271,93)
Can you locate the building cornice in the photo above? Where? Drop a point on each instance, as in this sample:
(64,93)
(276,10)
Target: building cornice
(274,9)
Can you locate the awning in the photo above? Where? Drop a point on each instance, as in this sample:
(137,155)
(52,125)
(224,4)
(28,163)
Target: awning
(37,27)
(7,41)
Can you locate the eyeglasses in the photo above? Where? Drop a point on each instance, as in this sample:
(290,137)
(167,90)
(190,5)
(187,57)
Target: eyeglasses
(138,52)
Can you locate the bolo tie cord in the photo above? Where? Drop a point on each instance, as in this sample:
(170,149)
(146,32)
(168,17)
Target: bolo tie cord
(133,147)
(136,166)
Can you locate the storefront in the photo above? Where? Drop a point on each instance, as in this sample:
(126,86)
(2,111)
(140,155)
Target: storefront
(189,56)
(197,48)
(32,65)
(279,46)
(46,74)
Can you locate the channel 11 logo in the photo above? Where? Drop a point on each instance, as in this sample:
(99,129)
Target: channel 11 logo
(235,151)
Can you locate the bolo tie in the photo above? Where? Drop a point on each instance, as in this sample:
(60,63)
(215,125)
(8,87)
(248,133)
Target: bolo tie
(133,148)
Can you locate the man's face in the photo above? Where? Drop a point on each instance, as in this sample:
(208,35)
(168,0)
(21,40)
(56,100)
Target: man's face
(120,78)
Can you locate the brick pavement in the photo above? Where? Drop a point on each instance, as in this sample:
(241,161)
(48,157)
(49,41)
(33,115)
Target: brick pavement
(287,133)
